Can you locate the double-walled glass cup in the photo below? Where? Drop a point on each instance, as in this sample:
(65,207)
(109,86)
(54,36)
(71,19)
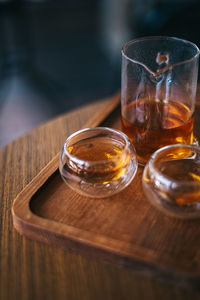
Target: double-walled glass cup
(171,180)
(98,162)
(158,91)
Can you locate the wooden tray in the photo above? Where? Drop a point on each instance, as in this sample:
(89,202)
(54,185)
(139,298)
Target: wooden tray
(123,229)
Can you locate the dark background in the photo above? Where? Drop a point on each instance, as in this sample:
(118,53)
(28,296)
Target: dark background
(58,55)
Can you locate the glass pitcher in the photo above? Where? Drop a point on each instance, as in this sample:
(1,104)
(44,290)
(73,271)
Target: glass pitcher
(158,92)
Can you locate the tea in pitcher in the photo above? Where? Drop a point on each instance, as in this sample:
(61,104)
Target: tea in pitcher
(151,124)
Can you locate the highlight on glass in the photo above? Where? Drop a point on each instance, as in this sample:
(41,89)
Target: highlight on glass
(171,180)
(98,162)
(158,92)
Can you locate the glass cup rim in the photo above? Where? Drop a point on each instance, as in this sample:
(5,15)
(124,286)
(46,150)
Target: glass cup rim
(92,162)
(160,38)
(168,181)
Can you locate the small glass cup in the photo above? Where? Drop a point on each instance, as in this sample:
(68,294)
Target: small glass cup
(171,180)
(158,92)
(98,162)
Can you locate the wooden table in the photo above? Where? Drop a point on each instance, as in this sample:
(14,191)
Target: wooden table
(33,270)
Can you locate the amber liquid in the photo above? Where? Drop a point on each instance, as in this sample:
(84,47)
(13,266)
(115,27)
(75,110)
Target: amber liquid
(183,170)
(105,160)
(151,125)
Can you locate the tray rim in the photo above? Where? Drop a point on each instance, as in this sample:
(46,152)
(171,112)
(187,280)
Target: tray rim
(29,224)
(33,224)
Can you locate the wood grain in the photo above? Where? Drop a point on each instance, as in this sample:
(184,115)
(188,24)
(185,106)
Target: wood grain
(34,270)
(122,229)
